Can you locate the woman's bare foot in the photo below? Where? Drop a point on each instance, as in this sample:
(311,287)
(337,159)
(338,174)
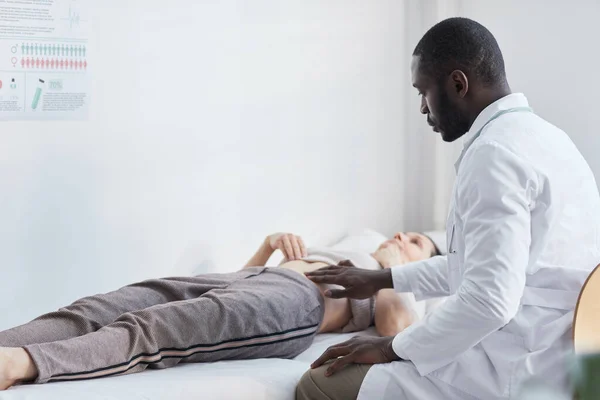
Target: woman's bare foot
(15,366)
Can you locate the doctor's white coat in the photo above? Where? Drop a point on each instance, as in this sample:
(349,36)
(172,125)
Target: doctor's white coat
(523,234)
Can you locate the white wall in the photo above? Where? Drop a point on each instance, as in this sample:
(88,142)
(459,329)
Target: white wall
(551,52)
(212,125)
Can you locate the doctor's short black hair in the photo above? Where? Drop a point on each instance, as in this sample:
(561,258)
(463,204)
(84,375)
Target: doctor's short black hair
(464,44)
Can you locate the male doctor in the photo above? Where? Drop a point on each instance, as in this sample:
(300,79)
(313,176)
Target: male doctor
(523,234)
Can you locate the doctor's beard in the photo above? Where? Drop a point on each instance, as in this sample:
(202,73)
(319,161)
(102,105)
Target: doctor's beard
(450,121)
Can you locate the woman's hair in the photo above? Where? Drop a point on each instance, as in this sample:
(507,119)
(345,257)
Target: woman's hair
(436,251)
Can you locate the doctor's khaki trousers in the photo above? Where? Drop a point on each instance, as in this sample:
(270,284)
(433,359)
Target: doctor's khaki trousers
(254,313)
(344,385)
(347,384)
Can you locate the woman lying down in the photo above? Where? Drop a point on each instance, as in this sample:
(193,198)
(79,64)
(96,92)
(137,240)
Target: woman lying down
(257,312)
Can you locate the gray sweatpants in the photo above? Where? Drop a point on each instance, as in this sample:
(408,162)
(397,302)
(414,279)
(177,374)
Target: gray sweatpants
(254,313)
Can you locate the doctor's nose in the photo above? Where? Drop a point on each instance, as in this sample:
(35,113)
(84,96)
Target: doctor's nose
(424,109)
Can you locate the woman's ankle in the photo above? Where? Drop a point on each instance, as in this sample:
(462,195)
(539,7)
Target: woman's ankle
(22,368)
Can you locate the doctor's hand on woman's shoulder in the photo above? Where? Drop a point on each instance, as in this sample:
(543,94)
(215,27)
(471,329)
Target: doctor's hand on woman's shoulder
(358,283)
(292,246)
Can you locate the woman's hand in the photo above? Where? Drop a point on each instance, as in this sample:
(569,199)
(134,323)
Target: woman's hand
(291,246)
(389,255)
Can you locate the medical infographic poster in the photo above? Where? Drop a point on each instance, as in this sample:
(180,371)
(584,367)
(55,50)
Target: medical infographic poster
(44,66)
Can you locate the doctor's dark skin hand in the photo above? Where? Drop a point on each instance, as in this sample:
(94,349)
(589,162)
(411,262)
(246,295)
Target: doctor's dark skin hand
(357,283)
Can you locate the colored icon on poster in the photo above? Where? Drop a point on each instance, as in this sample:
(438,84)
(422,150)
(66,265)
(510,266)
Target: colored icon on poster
(38,94)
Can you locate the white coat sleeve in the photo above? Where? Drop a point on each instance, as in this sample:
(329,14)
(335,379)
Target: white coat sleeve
(494,189)
(425,279)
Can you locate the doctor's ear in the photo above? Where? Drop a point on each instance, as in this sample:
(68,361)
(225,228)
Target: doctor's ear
(459,82)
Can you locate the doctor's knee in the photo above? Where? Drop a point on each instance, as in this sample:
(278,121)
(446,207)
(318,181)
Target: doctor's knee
(341,386)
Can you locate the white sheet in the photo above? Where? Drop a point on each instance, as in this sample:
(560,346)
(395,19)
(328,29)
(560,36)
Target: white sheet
(264,379)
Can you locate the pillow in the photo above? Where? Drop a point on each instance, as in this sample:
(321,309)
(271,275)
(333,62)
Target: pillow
(197,258)
(365,241)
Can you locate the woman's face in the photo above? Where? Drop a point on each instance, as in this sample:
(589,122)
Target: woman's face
(411,245)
